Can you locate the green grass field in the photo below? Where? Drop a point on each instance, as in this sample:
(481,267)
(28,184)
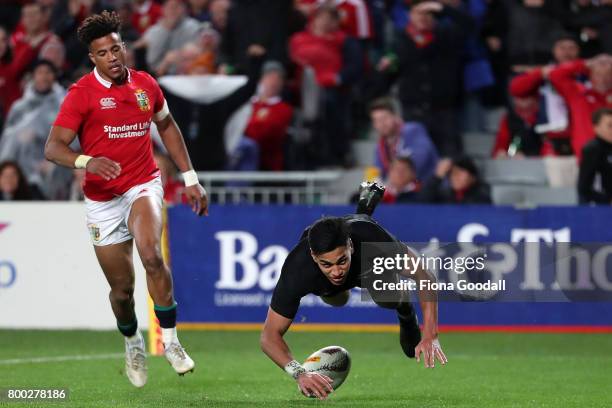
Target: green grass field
(484,370)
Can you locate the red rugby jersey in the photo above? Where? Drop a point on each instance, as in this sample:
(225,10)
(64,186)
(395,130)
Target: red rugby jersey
(113,121)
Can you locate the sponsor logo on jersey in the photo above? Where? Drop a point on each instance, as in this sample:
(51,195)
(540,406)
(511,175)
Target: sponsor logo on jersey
(108,103)
(94,231)
(143,100)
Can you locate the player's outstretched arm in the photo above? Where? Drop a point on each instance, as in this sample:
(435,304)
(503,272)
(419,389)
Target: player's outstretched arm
(428,299)
(58,151)
(173,140)
(275,347)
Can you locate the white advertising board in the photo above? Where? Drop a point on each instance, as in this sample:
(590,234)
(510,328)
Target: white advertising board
(49,275)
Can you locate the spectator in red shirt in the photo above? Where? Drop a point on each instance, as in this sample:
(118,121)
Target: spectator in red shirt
(145,14)
(325,48)
(584,99)
(34,21)
(355,19)
(270,118)
(13,65)
(546,120)
(336,60)
(517,136)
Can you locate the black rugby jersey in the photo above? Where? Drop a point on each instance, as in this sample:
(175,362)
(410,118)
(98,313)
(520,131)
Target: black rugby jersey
(301,276)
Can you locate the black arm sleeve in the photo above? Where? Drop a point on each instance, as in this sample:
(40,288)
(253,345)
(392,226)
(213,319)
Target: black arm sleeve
(286,296)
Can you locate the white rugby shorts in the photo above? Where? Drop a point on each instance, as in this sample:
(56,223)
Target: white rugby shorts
(107,221)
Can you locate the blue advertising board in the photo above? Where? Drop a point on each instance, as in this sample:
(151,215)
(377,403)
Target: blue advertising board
(226,265)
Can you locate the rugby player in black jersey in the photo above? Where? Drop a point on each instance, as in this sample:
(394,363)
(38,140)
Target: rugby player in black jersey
(327,262)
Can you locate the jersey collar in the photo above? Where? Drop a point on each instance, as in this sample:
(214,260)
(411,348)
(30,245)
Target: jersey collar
(104,82)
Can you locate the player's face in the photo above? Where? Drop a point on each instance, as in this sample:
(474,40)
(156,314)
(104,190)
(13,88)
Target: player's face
(108,55)
(335,264)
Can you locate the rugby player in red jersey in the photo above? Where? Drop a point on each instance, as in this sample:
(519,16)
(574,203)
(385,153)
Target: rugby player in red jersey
(111,110)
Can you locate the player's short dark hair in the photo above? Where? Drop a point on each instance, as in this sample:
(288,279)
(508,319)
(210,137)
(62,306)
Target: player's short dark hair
(385,104)
(98,26)
(327,234)
(600,113)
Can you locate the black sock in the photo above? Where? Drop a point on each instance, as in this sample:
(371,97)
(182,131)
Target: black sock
(128,329)
(166,316)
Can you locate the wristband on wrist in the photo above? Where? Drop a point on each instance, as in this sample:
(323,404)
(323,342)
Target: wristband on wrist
(294,369)
(81,161)
(191,178)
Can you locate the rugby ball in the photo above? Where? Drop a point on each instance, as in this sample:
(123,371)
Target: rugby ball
(332,361)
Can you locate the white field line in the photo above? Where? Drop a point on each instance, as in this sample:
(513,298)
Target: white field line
(60,359)
(110,356)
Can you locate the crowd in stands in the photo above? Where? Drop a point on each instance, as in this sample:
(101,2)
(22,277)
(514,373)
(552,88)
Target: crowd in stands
(413,74)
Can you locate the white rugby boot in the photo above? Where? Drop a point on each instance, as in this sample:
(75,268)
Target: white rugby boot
(178,358)
(135,361)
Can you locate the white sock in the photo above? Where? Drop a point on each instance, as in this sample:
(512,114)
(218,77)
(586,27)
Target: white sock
(135,340)
(169,336)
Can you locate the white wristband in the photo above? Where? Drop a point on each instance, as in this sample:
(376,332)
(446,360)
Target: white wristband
(81,161)
(191,178)
(294,369)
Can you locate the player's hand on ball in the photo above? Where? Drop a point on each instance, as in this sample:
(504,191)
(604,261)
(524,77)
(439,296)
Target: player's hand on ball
(431,349)
(315,385)
(103,167)
(196,195)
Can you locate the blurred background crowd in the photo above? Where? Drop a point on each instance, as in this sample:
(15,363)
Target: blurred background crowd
(302,84)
